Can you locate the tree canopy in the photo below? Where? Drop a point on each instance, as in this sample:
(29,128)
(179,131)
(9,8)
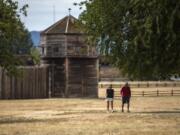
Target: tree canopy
(141,37)
(14,37)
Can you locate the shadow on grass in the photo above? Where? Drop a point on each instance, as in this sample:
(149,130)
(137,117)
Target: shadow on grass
(158,112)
(14,120)
(23,120)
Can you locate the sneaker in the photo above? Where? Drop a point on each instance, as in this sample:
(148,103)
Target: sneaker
(112,111)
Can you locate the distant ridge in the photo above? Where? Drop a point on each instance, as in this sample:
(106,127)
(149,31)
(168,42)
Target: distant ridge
(35,36)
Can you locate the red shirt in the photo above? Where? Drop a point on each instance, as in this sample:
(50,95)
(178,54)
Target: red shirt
(125,92)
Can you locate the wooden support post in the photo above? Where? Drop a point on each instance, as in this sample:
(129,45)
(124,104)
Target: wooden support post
(49,79)
(67,76)
(172,92)
(0,83)
(98,74)
(3,84)
(157,92)
(52,79)
(83,81)
(148,84)
(12,87)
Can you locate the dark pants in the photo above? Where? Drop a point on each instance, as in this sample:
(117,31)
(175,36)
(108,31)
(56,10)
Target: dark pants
(125,100)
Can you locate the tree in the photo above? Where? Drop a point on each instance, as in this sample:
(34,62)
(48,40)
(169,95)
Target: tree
(141,37)
(14,38)
(35,54)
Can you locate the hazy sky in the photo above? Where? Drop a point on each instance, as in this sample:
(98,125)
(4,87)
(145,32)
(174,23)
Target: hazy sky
(40,12)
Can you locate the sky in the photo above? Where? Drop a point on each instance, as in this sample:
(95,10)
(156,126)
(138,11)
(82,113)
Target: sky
(43,13)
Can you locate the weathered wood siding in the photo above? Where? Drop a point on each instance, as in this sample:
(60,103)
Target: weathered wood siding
(82,77)
(73,63)
(58,78)
(53,45)
(33,83)
(77,46)
(74,77)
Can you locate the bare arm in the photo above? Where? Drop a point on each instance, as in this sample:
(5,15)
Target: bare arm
(130,91)
(121,91)
(106,93)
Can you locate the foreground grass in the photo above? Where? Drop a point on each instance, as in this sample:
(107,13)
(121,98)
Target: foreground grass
(149,116)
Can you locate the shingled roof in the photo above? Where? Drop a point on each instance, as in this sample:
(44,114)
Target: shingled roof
(67,25)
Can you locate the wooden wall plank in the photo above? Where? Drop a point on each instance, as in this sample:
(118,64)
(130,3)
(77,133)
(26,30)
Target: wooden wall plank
(83,76)
(1,82)
(33,82)
(12,87)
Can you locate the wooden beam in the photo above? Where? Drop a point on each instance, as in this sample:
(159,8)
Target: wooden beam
(52,79)
(67,76)
(1,82)
(98,72)
(83,90)
(49,81)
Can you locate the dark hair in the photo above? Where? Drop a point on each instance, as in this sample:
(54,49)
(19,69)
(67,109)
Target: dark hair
(126,84)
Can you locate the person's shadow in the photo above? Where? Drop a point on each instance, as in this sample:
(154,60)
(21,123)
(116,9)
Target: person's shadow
(158,112)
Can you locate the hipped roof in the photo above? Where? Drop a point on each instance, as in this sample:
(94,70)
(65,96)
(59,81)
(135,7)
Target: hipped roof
(67,25)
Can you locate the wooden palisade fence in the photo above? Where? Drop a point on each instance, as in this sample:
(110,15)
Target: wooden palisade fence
(32,83)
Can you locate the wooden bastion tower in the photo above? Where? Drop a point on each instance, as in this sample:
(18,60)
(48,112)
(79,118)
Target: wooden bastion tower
(73,65)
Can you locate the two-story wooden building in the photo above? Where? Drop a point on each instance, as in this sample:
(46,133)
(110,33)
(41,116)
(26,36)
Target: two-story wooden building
(73,64)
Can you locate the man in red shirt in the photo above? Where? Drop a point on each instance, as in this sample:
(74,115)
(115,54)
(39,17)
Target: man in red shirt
(126,95)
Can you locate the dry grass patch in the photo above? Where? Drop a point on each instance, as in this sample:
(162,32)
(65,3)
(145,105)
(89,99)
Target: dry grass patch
(149,116)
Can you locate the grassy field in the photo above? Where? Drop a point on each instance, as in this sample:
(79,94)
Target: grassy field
(148,116)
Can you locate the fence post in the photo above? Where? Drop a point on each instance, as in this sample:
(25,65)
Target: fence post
(156,84)
(138,85)
(172,92)
(147,84)
(157,92)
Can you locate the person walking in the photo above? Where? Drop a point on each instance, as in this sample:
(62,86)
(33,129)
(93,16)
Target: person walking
(109,98)
(126,95)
